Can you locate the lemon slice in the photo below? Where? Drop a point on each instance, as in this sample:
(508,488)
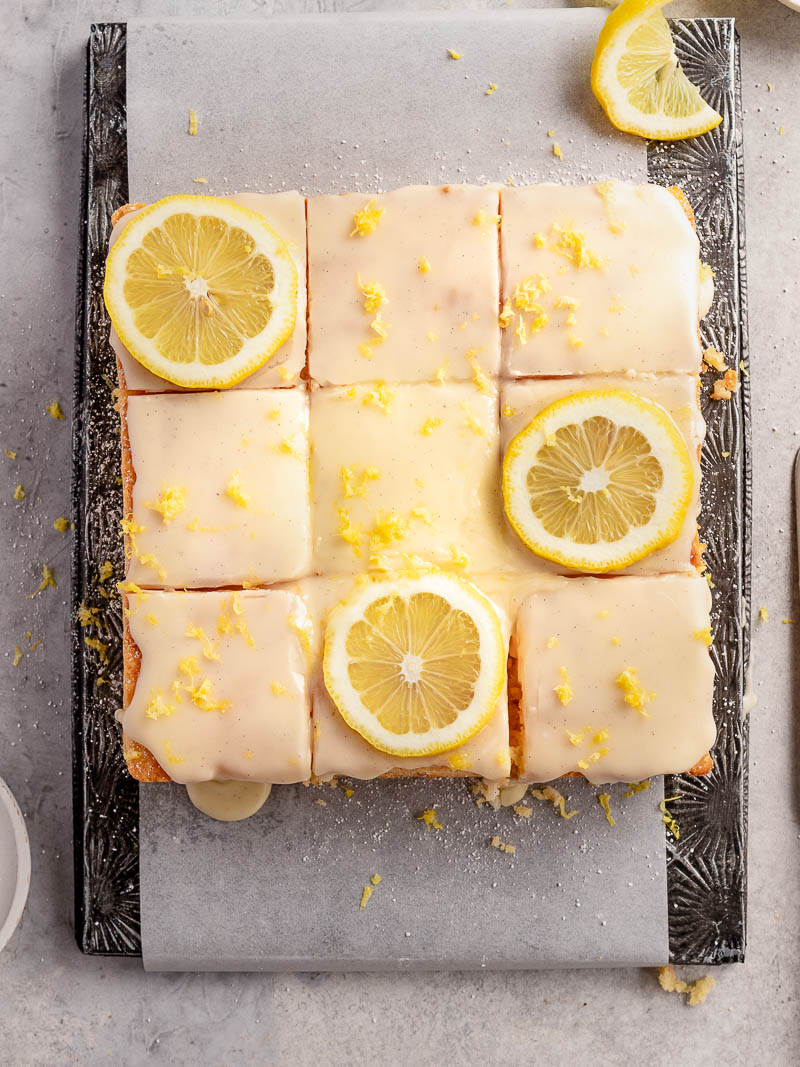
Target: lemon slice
(201,290)
(415,665)
(638,80)
(598,480)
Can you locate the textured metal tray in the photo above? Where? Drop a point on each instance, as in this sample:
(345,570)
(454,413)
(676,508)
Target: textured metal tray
(706,867)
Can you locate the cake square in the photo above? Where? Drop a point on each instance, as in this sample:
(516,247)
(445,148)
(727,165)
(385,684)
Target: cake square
(216,488)
(340,750)
(616,678)
(677,393)
(411,469)
(598,278)
(218,684)
(286,213)
(403,284)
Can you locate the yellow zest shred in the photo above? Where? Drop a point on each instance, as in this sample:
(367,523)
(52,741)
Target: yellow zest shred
(54,410)
(87,616)
(454,55)
(376,879)
(17,656)
(171,502)
(366,220)
(192,122)
(157,707)
(366,894)
(593,757)
(19,493)
(478,376)
(171,756)
(634,692)
(381,396)
(571,244)
(557,152)
(424,265)
(380,328)
(564,691)
(349,531)
(704,635)
(472,422)
(356,485)
(458,558)
(485,221)
(506,316)
(278,689)
(374,295)
(48,579)
(763,614)
(200,635)
(605,803)
(556,799)
(133,590)
(202,697)
(236,493)
(10,453)
(428,816)
(667,819)
(637,787)
(492,89)
(429,425)
(61,524)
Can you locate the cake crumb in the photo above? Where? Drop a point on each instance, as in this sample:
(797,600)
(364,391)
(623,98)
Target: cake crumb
(320,802)
(502,846)
(697,990)
(523,810)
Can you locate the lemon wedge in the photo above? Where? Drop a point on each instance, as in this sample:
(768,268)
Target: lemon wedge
(598,480)
(415,665)
(638,80)
(201,290)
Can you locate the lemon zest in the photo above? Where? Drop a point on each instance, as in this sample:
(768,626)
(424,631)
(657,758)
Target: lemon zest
(54,410)
(634,692)
(556,799)
(605,804)
(171,502)
(564,691)
(61,524)
(428,816)
(48,579)
(667,818)
(366,220)
(19,493)
(637,787)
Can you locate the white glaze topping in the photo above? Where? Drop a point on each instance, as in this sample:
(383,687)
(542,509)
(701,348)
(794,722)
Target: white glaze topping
(598,278)
(221,691)
(616,677)
(406,469)
(434,256)
(286,213)
(221,495)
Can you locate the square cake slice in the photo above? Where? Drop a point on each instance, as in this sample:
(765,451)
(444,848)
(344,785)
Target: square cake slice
(408,469)
(216,488)
(598,278)
(340,750)
(404,284)
(616,678)
(286,214)
(677,393)
(216,686)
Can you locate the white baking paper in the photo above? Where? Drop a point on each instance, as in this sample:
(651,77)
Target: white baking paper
(332,103)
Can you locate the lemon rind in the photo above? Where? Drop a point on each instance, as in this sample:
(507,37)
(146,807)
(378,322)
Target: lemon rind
(163,368)
(353,607)
(575,561)
(603,81)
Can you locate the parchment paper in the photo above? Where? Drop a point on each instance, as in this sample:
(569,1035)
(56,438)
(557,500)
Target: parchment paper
(368,102)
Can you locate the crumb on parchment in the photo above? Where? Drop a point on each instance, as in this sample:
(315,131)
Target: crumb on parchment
(697,990)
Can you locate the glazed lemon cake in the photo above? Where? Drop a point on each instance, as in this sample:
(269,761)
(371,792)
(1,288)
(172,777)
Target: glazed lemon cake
(381,457)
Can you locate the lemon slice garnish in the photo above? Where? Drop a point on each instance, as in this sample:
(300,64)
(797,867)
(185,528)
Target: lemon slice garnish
(415,665)
(201,290)
(638,80)
(598,480)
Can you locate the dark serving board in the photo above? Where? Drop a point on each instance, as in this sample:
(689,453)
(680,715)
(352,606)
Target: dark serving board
(706,867)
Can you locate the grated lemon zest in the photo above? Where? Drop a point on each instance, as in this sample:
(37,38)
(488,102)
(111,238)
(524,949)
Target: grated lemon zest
(605,804)
(635,693)
(374,295)
(54,410)
(171,502)
(428,816)
(637,787)
(556,799)
(366,220)
(564,691)
(667,819)
(61,524)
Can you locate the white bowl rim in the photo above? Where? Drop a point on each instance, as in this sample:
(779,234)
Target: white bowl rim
(23,850)
(793,4)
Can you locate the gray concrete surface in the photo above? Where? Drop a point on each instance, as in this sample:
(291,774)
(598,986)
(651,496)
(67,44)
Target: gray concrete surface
(57,1007)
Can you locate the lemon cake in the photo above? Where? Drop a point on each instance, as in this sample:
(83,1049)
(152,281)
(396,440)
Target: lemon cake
(216,686)
(406,469)
(616,678)
(286,213)
(597,278)
(403,284)
(676,393)
(216,488)
(357,575)
(338,749)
